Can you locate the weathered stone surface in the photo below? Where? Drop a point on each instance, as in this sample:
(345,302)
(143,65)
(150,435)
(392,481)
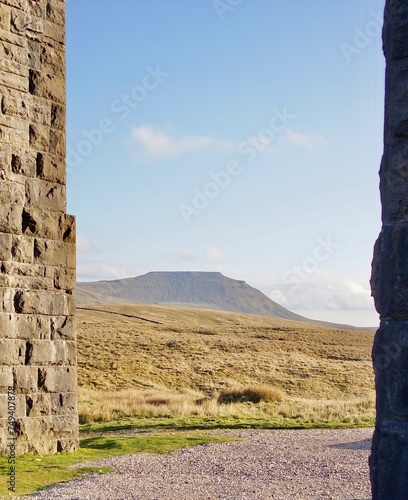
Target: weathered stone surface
(389,463)
(64,404)
(12,352)
(45,195)
(6,378)
(395,30)
(390,272)
(25,379)
(38,302)
(57,379)
(45,352)
(63,328)
(37,405)
(55,253)
(389,456)
(37,237)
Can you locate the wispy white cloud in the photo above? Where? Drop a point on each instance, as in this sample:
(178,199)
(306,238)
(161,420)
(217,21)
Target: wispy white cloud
(213,254)
(320,290)
(148,143)
(306,141)
(88,270)
(181,256)
(85,245)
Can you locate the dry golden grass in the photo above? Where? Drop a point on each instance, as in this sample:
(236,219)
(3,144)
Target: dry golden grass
(183,365)
(252,394)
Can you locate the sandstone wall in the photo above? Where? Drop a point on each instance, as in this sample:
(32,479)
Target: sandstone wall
(37,237)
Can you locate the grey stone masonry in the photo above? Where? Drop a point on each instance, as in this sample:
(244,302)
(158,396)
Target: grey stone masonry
(389,282)
(38,380)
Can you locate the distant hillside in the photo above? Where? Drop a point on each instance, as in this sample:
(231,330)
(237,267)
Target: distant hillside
(205,290)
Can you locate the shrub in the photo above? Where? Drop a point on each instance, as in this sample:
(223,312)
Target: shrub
(252,394)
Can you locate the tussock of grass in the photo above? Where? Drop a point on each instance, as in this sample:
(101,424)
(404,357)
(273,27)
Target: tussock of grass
(252,394)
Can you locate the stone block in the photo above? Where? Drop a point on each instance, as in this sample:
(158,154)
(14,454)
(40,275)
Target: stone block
(389,461)
(58,117)
(51,59)
(57,379)
(64,279)
(56,12)
(64,403)
(13,81)
(26,379)
(52,169)
(37,405)
(12,352)
(63,328)
(22,269)
(12,38)
(390,360)
(389,281)
(10,217)
(39,137)
(50,87)
(67,445)
(55,253)
(57,142)
(37,433)
(5,246)
(43,303)
(24,327)
(32,327)
(395,33)
(11,193)
(10,51)
(6,378)
(22,163)
(26,282)
(5,18)
(394,180)
(22,249)
(41,223)
(45,195)
(39,113)
(47,353)
(23,22)
(68,228)
(13,105)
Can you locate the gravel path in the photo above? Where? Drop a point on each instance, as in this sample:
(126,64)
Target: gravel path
(278,465)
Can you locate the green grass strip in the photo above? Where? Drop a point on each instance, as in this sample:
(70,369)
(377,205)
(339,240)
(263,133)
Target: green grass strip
(34,473)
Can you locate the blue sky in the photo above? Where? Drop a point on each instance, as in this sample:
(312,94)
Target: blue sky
(240,136)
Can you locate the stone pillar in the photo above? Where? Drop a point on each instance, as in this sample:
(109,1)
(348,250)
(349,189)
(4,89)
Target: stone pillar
(37,237)
(389,457)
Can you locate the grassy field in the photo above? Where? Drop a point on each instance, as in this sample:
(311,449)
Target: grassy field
(178,366)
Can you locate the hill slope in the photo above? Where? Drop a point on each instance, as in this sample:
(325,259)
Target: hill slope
(205,290)
(197,289)
(147,346)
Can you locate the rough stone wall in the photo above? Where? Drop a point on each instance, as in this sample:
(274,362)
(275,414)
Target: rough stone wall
(37,237)
(389,458)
